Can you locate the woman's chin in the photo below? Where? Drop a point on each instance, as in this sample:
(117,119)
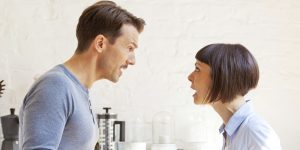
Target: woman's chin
(199,101)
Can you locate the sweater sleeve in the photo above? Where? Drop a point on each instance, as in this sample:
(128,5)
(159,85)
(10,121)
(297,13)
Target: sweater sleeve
(45,112)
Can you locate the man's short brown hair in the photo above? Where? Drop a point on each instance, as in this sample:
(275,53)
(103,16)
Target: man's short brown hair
(234,71)
(106,18)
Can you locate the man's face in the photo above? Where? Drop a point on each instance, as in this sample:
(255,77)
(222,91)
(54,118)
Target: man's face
(119,55)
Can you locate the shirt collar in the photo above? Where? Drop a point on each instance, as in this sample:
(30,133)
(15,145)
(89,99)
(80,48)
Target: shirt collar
(72,77)
(237,119)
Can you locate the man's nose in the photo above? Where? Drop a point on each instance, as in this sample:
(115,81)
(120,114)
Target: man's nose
(131,59)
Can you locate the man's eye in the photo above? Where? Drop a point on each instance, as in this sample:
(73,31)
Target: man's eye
(197,69)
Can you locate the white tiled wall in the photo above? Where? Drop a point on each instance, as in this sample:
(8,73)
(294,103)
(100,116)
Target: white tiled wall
(35,35)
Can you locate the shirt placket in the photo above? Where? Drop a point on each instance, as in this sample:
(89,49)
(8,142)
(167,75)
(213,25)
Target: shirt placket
(91,110)
(225,141)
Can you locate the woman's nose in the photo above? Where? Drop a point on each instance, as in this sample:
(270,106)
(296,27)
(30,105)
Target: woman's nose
(190,77)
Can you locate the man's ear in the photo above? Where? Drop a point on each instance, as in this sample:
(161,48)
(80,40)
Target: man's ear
(99,43)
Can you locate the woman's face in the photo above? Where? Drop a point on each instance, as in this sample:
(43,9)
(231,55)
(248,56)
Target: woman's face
(201,82)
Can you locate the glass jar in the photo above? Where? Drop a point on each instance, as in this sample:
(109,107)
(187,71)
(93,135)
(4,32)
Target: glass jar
(163,128)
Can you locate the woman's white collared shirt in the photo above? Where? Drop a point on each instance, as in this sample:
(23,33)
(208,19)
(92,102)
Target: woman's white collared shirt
(247,131)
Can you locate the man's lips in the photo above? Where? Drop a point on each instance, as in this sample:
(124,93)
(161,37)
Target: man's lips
(123,67)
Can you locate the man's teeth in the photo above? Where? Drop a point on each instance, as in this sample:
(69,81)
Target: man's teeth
(123,68)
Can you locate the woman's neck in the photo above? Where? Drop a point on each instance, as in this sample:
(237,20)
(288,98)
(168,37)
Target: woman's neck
(226,110)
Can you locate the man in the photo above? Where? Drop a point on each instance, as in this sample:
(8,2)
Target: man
(56,112)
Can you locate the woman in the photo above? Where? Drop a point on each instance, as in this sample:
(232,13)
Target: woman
(223,75)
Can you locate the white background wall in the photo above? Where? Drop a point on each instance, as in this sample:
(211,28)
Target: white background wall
(35,35)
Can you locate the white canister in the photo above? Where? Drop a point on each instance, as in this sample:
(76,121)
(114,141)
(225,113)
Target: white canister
(163,147)
(131,145)
(194,145)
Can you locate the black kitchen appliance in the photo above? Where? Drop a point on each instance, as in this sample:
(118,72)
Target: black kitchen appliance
(10,128)
(110,130)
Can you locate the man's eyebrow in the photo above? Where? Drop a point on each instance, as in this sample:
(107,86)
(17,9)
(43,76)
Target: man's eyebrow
(134,44)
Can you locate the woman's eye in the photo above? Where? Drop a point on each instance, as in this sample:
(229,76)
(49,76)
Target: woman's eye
(197,69)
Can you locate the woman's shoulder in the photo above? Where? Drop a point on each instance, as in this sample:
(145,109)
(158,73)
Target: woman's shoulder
(255,124)
(259,132)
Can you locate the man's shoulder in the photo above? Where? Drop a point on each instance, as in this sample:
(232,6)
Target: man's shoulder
(54,77)
(53,83)
(54,80)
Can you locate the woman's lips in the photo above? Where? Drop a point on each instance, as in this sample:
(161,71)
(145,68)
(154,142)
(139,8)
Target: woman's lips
(194,95)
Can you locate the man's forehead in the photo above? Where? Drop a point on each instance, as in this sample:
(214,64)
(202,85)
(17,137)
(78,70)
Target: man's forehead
(130,34)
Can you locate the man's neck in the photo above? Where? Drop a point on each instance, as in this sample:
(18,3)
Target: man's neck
(83,67)
(226,110)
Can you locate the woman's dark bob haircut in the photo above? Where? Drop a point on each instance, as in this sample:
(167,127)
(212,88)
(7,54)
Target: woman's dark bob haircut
(234,71)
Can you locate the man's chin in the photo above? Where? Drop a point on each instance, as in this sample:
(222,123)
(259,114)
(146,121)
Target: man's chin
(114,80)
(114,77)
